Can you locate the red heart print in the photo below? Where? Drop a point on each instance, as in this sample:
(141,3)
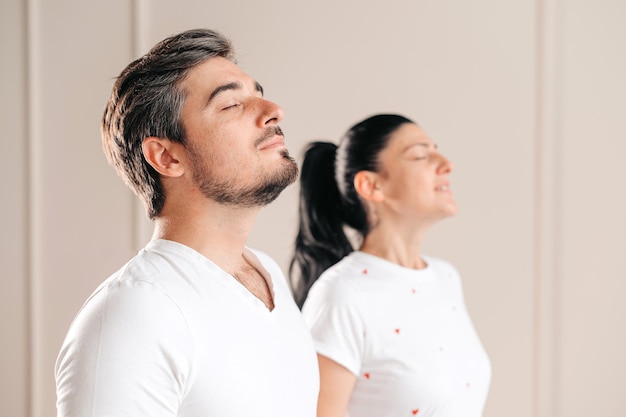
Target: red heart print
(415,411)
(366,375)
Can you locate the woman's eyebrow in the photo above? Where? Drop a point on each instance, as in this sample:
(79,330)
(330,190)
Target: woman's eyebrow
(422,144)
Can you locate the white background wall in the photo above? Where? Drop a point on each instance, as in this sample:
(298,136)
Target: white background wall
(528,98)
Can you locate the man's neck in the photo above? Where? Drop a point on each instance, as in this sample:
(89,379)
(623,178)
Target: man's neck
(217,231)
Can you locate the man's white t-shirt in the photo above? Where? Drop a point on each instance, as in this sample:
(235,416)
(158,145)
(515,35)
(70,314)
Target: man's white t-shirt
(172,334)
(404,333)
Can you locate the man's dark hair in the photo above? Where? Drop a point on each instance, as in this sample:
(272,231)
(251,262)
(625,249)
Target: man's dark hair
(147,100)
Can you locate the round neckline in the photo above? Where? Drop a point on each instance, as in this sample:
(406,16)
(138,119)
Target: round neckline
(390,269)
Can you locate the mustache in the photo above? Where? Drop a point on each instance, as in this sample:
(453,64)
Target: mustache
(269,133)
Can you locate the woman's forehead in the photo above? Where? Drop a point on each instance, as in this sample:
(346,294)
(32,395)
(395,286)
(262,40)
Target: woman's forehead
(409,135)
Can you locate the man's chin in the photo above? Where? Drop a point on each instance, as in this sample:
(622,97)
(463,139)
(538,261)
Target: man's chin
(291,168)
(272,188)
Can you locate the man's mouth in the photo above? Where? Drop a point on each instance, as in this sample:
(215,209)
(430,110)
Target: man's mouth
(273,137)
(278,141)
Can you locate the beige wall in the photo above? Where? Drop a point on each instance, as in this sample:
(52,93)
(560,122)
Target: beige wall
(528,98)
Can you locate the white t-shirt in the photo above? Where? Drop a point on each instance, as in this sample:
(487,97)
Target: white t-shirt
(404,333)
(172,334)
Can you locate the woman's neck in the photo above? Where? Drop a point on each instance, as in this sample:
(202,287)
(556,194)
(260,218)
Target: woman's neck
(400,247)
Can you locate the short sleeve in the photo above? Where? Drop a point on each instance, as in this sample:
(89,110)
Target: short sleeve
(331,312)
(127,353)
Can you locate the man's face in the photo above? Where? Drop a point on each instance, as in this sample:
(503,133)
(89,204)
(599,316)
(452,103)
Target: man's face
(234,144)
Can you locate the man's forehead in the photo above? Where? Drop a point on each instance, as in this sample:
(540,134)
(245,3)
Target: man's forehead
(216,72)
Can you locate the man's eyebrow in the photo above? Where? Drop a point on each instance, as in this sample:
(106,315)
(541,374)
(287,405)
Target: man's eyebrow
(235,85)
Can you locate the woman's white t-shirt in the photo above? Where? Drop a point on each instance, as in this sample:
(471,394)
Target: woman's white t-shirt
(404,333)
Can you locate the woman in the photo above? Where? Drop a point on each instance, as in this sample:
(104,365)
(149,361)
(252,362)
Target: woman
(390,326)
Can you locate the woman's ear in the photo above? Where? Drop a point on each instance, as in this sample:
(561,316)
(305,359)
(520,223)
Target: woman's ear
(367,186)
(162,155)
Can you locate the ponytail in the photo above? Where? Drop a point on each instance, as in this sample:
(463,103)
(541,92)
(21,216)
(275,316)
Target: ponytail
(321,241)
(328,200)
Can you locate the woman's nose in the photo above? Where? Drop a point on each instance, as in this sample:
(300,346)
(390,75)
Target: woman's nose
(445,166)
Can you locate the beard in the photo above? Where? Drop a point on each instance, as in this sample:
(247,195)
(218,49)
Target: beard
(263,191)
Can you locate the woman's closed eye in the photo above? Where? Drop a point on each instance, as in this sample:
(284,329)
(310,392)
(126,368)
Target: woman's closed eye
(419,157)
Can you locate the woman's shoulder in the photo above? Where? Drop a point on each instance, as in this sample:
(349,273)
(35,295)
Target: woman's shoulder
(440,265)
(343,272)
(335,282)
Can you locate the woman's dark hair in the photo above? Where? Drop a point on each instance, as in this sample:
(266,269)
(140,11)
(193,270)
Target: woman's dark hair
(328,200)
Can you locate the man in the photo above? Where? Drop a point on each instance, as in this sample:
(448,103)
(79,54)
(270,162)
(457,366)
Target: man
(196,324)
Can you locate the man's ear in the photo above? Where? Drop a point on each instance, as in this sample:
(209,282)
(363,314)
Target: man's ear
(367,186)
(162,155)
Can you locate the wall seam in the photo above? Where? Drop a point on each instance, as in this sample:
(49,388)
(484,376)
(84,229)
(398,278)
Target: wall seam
(538,218)
(546,275)
(135,221)
(27,243)
(33,201)
(138,26)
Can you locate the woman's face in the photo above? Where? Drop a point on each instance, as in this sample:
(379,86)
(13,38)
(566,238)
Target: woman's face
(414,176)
